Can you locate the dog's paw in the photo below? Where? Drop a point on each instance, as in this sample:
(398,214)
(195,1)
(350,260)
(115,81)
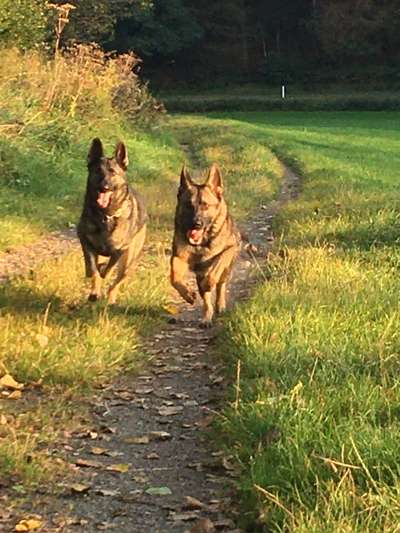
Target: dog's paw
(112,298)
(102,268)
(206,324)
(93,297)
(190,297)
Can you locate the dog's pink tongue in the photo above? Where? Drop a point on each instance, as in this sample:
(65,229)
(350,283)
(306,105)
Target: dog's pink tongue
(104,198)
(195,235)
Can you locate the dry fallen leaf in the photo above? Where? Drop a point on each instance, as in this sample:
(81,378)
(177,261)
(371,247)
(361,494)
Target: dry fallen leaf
(204,525)
(102,526)
(171,309)
(227,465)
(99,451)
(152,455)
(184,517)
(120,468)
(113,453)
(108,429)
(215,380)
(160,435)
(169,411)
(224,524)
(144,439)
(8,382)
(15,395)
(144,390)
(28,525)
(140,478)
(191,403)
(107,492)
(79,488)
(192,503)
(88,463)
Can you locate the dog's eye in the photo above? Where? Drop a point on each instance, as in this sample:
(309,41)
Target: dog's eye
(204,205)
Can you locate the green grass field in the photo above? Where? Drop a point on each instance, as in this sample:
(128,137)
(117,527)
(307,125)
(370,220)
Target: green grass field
(258,97)
(317,428)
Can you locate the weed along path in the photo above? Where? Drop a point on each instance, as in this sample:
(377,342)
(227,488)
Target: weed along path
(146,464)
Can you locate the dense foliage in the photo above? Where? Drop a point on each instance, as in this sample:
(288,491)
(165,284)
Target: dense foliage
(23,22)
(268,39)
(272,40)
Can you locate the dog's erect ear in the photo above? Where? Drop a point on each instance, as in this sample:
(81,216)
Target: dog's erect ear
(186,180)
(214,180)
(121,155)
(96,152)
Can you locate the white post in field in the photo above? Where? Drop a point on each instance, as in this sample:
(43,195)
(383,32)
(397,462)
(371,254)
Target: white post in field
(283,91)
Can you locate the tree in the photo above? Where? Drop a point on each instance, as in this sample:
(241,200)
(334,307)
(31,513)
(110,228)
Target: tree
(23,23)
(351,30)
(160,28)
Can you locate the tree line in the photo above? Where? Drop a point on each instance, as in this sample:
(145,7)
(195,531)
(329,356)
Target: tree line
(197,40)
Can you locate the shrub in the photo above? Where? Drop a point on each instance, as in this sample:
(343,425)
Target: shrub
(82,82)
(23,22)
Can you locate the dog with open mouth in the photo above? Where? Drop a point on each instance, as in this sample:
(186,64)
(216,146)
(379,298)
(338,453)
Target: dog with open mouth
(113,220)
(206,241)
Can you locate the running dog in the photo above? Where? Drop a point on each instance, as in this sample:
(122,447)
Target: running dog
(206,241)
(113,220)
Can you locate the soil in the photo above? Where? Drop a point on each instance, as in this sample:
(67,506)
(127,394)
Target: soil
(22,260)
(147,463)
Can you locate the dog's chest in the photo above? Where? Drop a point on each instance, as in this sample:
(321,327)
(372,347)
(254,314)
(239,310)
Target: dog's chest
(108,235)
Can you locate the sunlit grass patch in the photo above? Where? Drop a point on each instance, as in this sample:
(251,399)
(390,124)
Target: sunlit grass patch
(317,347)
(50,332)
(26,434)
(53,339)
(316,427)
(250,171)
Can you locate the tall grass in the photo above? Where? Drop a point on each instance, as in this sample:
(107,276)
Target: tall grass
(317,426)
(49,111)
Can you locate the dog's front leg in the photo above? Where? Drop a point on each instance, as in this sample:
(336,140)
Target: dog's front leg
(105,268)
(206,284)
(208,310)
(221,297)
(92,271)
(179,269)
(216,276)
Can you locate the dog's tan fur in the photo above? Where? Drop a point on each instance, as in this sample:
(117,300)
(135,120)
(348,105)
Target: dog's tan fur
(212,259)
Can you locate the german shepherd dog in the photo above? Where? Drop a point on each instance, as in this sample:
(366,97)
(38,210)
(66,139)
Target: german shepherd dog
(205,242)
(113,220)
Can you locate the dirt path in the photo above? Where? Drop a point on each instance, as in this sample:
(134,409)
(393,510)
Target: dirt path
(21,260)
(146,464)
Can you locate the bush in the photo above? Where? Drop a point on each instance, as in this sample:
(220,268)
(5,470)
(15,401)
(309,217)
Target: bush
(23,22)
(82,82)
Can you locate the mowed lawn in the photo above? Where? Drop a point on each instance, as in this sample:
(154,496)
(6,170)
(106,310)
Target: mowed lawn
(317,429)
